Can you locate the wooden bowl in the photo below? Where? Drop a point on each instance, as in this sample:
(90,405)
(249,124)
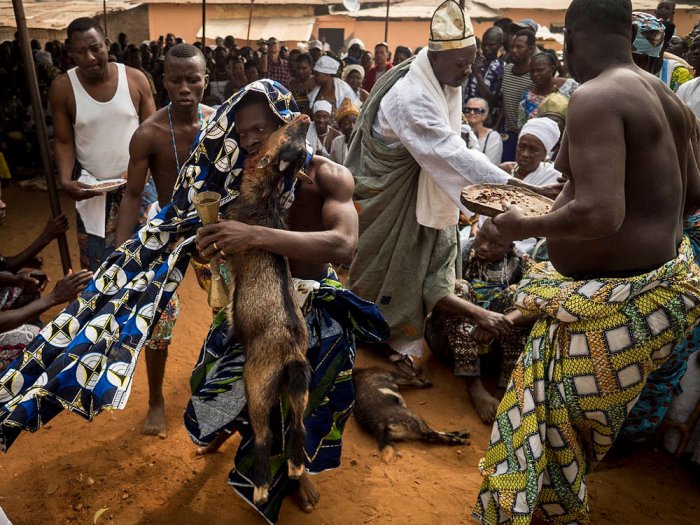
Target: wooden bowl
(489,200)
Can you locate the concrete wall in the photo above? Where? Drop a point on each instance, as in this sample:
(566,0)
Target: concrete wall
(133,22)
(185,20)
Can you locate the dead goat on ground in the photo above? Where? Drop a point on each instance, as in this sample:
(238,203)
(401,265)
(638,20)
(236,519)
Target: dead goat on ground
(382,411)
(263,309)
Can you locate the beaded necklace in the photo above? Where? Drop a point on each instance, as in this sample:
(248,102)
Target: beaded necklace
(172,131)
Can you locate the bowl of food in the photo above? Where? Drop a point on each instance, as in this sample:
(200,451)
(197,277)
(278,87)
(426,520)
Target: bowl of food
(491,199)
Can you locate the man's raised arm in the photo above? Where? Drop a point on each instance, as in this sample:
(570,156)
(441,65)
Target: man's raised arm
(597,154)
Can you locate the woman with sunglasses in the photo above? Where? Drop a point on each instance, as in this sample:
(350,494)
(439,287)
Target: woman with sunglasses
(476,111)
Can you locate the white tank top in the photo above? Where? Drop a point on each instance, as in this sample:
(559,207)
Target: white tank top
(103,129)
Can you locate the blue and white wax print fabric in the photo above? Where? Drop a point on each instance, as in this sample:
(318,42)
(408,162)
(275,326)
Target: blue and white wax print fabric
(84,359)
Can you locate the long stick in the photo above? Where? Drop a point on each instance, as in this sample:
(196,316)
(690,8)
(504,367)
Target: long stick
(386,24)
(104,10)
(42,136)
(250,20)
(204,24)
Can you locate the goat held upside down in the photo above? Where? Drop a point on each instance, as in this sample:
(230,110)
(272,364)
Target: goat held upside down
(263,310)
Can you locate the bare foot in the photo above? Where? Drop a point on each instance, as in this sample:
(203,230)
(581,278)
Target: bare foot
(155,420)
(485,404)
(215,445)
(306,496)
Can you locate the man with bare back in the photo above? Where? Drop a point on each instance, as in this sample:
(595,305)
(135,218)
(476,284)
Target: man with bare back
(159,147)
(96,107)
(323,228)
(624,288)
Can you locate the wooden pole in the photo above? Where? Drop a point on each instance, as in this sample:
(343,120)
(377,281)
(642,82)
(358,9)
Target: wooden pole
(204,24)
(250,20)
(42,136)
(104,11)
(386,23)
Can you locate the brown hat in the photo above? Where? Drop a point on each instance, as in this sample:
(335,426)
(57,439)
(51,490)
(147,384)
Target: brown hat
(346,109)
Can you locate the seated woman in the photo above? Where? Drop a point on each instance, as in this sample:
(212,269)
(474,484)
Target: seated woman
(535,143)
(491,270)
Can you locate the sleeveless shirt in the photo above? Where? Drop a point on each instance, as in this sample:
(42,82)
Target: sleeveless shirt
(103,130)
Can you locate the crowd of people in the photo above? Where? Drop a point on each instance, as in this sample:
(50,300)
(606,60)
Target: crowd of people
(393,138)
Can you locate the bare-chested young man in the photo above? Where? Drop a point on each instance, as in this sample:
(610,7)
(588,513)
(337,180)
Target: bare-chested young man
(160,146)
(96,108)
(322,228)
(626,288)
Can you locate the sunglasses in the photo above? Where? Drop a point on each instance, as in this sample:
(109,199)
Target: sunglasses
(476,111)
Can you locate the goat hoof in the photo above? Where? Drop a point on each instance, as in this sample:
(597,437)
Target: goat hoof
(260,495)
(294,471)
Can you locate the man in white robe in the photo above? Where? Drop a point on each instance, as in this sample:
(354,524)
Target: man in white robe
(410,164)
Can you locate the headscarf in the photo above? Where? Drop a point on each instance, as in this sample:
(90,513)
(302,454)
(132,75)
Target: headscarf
(327,65)
(649,39)
(545,129)
(346,108)
(555,104)
(322,105)
(353,67)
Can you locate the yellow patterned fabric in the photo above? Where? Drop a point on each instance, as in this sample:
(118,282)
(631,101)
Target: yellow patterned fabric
(582,370)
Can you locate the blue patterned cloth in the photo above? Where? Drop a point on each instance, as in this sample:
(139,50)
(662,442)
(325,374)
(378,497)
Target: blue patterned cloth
(664,382)
(218,401)
(84,359)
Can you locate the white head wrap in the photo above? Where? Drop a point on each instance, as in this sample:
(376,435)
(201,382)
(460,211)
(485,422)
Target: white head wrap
(356,41)
(327,65)
(324,105)
(450,28)
(353,67)
(544,129)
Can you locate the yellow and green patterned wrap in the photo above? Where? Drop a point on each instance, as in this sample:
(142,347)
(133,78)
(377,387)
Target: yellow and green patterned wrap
(582,370)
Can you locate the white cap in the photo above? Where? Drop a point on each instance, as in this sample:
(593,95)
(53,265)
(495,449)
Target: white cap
(324,105)
(450,28)
(544,129)
(327,65)
(315,44)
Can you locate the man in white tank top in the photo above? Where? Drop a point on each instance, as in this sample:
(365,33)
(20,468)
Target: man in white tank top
(96,106)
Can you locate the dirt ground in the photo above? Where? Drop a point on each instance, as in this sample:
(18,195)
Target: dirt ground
(72,468)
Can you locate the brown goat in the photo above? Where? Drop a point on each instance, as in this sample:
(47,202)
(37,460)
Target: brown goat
(381,411)
(263,309)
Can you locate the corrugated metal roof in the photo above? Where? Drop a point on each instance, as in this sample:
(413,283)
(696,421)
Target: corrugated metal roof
(561,5)
(57,15)
(418,9)
(246,2)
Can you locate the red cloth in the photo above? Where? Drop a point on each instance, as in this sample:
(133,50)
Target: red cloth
(371,76)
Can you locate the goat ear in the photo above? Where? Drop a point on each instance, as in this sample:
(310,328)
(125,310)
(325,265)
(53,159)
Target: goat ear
(264,162)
